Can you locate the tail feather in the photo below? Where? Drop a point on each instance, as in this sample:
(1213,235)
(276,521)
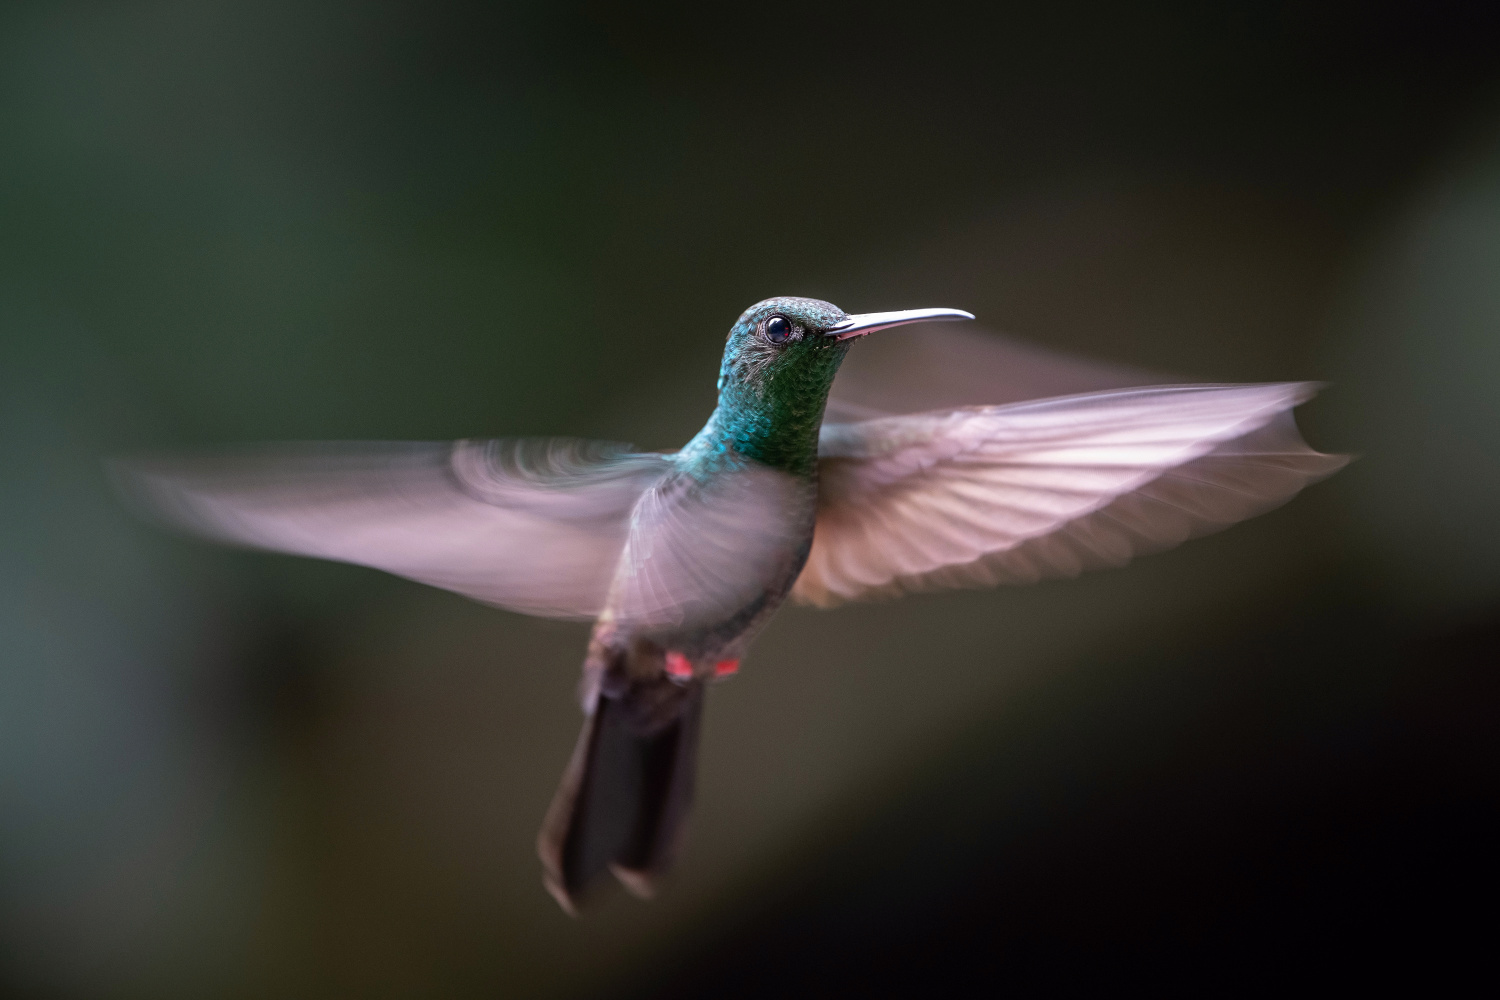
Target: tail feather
(627,790)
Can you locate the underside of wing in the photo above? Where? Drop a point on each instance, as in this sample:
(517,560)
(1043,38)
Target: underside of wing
(536,526)
(981,496)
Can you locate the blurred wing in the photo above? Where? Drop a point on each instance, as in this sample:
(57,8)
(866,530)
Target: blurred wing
(942,366)
(1013,494)
(710,552)
(532,525)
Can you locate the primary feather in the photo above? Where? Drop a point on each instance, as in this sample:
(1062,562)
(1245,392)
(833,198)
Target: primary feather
(531,525)
(979,496)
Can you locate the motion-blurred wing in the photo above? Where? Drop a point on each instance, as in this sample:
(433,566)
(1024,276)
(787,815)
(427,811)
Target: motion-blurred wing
(942,366)
(532,525)
(710,551)
(1012,494)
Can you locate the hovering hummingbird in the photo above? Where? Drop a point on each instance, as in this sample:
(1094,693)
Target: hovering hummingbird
(680,558)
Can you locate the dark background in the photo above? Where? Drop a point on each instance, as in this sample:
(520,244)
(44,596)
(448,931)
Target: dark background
(1267,758)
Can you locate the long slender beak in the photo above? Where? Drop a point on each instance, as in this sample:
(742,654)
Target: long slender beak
(858,326)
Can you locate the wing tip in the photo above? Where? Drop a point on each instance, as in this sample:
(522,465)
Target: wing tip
(148,495)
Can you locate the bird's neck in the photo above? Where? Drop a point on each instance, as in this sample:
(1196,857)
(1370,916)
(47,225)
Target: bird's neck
(773,425)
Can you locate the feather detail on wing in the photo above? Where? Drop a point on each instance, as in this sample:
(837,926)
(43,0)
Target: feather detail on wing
(706,552)
(981,496)
(536,526)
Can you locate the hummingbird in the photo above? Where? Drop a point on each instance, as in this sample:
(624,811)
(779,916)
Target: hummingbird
(680,558)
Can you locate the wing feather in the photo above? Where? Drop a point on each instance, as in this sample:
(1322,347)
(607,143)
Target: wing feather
(536,526)
(705,551)
(985,495)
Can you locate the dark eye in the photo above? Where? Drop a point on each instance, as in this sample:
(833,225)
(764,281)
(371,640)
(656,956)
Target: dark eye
(778,329)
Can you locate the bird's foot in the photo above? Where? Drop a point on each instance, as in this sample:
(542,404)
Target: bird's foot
(680,668)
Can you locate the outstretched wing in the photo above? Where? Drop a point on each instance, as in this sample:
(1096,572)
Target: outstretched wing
(1012,494)
(536,526)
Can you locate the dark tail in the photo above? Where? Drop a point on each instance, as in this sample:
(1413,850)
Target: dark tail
(627,791)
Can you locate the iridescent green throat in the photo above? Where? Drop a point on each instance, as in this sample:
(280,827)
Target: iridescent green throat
(770,407)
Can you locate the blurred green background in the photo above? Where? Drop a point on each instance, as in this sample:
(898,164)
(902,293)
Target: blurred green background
(228,774)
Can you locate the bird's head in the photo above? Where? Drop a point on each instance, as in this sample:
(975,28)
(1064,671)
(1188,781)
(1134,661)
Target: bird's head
(789,346)
(778,366)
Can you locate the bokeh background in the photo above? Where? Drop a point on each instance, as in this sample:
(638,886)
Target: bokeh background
(1270,756)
